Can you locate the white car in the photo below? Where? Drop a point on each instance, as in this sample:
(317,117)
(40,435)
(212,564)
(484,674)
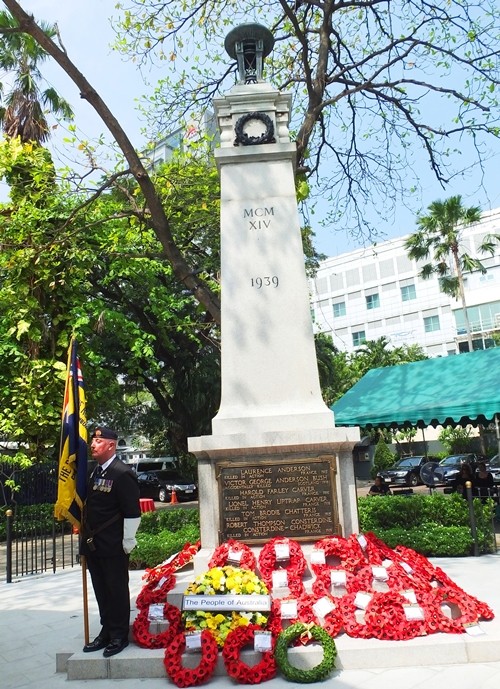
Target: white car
(493,466)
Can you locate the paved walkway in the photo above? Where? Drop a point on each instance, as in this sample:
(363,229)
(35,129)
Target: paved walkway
(42,616)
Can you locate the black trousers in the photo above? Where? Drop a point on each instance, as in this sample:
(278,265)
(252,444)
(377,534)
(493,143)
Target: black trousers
(110,583)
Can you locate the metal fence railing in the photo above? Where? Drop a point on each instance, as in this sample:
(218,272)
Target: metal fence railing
(35,543)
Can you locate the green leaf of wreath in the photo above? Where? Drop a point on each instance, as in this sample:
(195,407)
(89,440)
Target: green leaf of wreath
(316,673)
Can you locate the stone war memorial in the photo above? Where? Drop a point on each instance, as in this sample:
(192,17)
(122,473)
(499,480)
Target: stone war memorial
(275,463)
(276,475)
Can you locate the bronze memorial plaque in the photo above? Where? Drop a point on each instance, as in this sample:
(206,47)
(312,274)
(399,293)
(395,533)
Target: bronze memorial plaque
(294,499)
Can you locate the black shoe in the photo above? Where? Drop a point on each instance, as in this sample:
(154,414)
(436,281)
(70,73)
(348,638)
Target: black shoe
(115,646)
(97,644)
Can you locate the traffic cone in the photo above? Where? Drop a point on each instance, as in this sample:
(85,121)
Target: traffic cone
(173,497)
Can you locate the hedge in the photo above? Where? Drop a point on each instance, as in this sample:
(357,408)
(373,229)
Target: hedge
(435,525)
(163,533)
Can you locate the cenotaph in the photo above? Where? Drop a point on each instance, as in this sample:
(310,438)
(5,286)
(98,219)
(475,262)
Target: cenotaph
(275,464)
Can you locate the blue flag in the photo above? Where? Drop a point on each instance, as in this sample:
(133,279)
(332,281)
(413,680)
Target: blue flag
(72,474)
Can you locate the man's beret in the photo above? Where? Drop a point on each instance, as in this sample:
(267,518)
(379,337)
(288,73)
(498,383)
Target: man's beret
(106,433)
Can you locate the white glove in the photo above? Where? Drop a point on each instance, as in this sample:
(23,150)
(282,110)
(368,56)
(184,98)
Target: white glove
(130,527)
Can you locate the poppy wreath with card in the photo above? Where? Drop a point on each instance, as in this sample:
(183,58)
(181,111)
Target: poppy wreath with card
(236,640)
(147,639)
(221,556)
(155,591)
(160,579)
(268,562)
(347,550)
(348,609)
(191,677)
(178,561)
(385,618)
(397,579)
(439,622)
(322,585)
(304,612)
(332,622)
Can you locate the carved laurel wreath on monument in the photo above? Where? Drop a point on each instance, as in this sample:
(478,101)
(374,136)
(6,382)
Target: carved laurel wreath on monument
(267,136)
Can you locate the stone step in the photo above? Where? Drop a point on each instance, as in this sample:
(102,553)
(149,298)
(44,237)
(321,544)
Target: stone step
(438,649)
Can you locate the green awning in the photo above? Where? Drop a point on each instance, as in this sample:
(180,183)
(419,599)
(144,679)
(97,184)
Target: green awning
(451,390)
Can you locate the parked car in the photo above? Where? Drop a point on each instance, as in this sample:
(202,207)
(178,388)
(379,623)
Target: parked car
(493,466)
(160,484)
(451,465)
(407,470)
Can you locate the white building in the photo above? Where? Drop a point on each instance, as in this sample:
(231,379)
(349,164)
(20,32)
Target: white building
(376,291)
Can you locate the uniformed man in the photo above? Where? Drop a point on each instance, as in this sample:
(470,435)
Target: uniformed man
(111,518)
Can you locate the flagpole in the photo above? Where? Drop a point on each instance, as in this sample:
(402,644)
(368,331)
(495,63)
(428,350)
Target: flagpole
(72,469)
(86,635)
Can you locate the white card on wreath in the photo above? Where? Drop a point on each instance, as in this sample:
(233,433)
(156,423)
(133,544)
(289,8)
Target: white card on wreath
(160,583)
(362,599)
(338,577)
(410,596)
(235,555)
(280,578)
(288,609)
(155,612)
(473,629)
(193,642)
(318,557)
(413,612)
(379,573)
(263,642)
(322,607)
(362,541)
(282,551)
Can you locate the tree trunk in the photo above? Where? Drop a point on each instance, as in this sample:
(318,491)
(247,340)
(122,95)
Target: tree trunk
(182,270)
(462,297)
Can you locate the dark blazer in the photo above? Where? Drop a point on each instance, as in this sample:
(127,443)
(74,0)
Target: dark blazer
(114,495)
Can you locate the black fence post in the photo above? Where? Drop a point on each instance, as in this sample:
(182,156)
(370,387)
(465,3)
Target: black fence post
(9,514)
(473,529)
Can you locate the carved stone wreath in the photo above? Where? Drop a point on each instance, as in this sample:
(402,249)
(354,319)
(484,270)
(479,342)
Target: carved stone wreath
(267,137)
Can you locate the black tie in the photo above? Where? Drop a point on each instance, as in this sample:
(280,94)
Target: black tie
(98,471)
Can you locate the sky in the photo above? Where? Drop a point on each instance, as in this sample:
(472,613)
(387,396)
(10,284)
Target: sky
(86,34)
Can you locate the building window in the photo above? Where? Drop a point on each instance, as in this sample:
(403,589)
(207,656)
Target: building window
(372,301)
(408,292)
(339,309)
(431,323)
(358,338)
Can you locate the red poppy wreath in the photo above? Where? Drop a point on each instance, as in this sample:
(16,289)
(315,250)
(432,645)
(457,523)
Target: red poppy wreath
(322,585)
(155,591)
(147,639)
(222,556)
(385,618)
(346,550)
(269,562)
(352,627)
(191,677)
(438,621)
(245,674)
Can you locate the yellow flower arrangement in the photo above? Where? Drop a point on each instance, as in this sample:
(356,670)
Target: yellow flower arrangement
(224,581)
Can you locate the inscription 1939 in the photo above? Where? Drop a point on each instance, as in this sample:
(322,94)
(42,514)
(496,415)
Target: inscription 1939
(262,501)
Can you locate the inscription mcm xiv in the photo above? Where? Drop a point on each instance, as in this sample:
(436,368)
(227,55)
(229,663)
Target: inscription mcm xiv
(259,216)
(257,221)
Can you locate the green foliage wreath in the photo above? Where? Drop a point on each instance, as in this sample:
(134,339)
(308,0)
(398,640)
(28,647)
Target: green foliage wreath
(314,674)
